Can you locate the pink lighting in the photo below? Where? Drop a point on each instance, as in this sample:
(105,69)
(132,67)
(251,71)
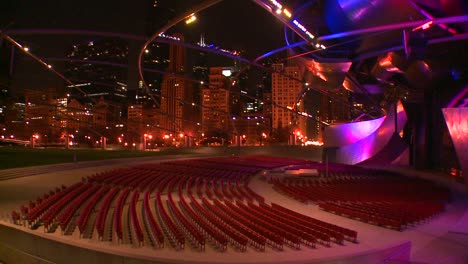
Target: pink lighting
(457,124)
(352,132)
(359,141)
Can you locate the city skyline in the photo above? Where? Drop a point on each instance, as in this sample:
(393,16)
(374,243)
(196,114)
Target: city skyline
(92,55)
(219,27)
(329,79)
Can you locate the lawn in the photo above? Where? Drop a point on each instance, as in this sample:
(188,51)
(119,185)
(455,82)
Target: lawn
(13,157)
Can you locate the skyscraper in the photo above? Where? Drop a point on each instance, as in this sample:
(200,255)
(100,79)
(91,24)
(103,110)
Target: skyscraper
(98,68)
(176,92)
(216,101)
(285,90)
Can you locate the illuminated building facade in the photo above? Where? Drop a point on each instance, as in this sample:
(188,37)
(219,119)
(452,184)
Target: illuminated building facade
(44,113)
(285,89)
(78,115)
(176,93)
(216,100)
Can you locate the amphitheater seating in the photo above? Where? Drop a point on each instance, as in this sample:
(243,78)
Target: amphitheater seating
(374,197)
(208,202)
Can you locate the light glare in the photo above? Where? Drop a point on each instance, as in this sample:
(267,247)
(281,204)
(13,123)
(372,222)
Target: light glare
(190,19)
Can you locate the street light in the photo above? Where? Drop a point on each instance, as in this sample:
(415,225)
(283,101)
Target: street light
(33,140)
(145,138)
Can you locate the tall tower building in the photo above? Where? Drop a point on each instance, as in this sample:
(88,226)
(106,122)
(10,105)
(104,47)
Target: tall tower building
(200,73)
(99,85)
(285,89)
(216,101)
(176,92)
(98,79)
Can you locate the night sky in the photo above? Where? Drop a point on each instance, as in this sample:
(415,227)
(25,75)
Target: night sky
(231,24)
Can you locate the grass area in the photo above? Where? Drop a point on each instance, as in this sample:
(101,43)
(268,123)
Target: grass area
(13,157)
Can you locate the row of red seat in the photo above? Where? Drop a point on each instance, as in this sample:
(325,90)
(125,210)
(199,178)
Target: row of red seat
(49,216)
(155,183)
(389,215)
(237,239)
(272,238)
(146,181)
(287,233)
(374,219)
(88,207)
(208,192)
(156,233)
(193,233)
(242,192)
(224,193)
(230,166)
(118,228)
(230,223)
(111,177)
(290,191)
(35,211)
(104,209)
(15,216)
(307,235)
(232,188)
(318,232)
(175,235)
(183,169)
(205,225)
(74,205)
(282,161)
(311,222)
(134,217)
(253,194)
